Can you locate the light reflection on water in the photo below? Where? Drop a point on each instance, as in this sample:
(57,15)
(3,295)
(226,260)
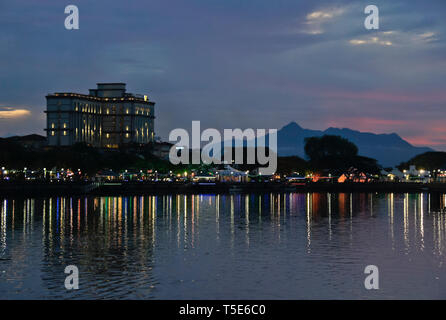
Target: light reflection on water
(270,246)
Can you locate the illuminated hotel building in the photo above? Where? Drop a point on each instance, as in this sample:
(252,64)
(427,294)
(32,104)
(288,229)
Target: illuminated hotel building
(107,117)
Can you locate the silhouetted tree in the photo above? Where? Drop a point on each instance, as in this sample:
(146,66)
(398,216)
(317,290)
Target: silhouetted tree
(320,148)
(337,154)
(289,165)
(427,161)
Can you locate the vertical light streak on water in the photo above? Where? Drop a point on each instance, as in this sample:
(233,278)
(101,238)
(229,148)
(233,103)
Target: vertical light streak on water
(422,222)
(439,218)
(232,221)
(119,221)
(429,203)
(196,219)
(126,221)
(406,222)
(271,205)
(434,233)
(133,203)
(164,206)
(141,218)
(178,219)
(247,220)
(415,217)
(439,231)
(71,220)
(392,228)
(329,216)
(85,215)
(13,216)
(277,217)
(32,210)
(260,209)
(108,218)
(309,213)
(50,222)
(3,229)
(182,225)
(351,219)
(43,222)
(28,216)
(154,212)
(61,222)
(286,205)
(170,214)
(440,226)
(185,209)
(217,216)
(102,209)
(112,219)
(57,214)
(25,208)
(192,218)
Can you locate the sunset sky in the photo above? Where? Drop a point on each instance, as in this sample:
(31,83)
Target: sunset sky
(245,63)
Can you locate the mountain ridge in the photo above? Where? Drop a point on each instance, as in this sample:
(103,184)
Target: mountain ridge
(388,148)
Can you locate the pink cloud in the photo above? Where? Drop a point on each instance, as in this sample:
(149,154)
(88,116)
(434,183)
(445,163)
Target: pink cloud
(387,96)
(431,133)
(368,123)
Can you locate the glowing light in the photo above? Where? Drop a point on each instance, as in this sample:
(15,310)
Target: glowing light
(11,113)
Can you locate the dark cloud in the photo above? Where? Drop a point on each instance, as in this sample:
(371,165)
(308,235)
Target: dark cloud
(232,63)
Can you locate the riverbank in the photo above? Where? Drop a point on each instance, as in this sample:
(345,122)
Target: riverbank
(137,188)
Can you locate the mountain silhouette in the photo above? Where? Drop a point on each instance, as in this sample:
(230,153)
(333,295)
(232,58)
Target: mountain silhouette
(389,149)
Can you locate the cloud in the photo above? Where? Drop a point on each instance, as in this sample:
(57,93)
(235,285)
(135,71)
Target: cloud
(324,14)
(402,38)
(12,113)
(223,61)
(428,36)
(315,20)
(371,40)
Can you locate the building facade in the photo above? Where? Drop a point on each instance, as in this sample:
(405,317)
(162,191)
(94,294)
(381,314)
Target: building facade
(107,117)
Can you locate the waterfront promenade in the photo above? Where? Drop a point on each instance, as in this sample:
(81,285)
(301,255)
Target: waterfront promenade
(128,188)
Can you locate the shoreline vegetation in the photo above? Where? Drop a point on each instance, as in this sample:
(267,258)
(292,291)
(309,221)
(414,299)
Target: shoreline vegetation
(332,165)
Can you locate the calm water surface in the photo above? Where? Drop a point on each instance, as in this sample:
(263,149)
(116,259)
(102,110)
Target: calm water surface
(270,246)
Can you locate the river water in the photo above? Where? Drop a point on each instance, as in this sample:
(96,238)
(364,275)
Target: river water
(255,246)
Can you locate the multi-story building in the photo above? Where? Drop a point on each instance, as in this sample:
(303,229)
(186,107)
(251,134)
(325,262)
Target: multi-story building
(107,117)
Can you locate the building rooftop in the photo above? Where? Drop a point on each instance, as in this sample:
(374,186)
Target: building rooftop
(115,91)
